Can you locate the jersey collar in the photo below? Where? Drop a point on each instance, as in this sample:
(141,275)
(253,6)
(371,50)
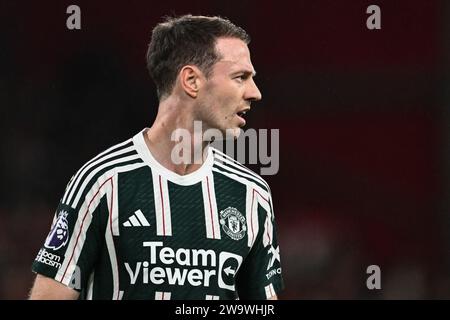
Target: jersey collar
(188,179)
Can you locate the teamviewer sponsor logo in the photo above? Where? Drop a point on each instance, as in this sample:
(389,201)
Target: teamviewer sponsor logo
(196,267)
(50,259)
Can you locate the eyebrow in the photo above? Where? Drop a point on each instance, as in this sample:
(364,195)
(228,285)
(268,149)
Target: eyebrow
(246,72)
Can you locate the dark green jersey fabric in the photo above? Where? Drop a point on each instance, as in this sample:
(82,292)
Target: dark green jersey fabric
(128,228)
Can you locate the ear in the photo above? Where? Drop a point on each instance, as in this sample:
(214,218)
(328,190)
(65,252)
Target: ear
(191,80)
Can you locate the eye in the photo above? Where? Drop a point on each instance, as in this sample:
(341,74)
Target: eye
(241,77)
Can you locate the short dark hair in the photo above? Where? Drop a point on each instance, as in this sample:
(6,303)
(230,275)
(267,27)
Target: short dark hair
(183,40)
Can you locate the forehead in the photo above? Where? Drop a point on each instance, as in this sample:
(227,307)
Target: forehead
(234,54)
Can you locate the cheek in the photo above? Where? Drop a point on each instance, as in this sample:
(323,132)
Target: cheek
(229,101)
(222,100)
(222,105)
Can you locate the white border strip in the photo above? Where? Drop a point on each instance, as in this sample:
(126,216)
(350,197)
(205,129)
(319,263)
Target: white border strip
(210,208)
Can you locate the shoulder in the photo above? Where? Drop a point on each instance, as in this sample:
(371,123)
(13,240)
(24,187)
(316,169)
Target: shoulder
(226,165)
(118,158)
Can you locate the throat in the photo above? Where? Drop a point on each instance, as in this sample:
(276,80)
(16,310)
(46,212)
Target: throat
(182,157)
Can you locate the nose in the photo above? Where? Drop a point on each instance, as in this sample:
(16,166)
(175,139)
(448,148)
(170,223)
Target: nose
(252,92)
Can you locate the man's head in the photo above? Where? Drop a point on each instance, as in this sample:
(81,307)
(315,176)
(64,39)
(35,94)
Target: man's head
(204,59)
(186,40)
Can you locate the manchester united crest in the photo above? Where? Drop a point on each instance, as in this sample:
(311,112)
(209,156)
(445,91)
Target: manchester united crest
(233,223)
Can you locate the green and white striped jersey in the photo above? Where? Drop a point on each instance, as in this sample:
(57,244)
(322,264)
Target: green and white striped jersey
(128,228)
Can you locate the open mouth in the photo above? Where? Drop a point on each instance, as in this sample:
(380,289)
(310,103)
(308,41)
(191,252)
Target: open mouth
(242,113)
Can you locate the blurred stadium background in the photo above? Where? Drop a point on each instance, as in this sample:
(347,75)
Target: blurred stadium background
(363,117)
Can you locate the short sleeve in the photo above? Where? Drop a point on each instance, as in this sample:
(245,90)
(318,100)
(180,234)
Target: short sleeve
(260,276)
(76,236)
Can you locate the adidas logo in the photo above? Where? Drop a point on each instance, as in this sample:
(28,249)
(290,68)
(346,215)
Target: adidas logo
(136,220)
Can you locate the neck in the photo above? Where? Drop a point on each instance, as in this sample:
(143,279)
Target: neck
(172,139)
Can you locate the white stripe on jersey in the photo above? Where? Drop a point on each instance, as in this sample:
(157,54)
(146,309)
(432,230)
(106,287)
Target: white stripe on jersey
(270,292)
(78,174)
(162,205)
(110,244)
(210,208)
(94,172)
(113,259)
(246,175)
(222,157)
(268,231)
(115,207)
(77,180)
(90,287)
(268,225)
(211,297)
(82,224)
(84,219)
(251,215)
(162,295)
(243,181)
